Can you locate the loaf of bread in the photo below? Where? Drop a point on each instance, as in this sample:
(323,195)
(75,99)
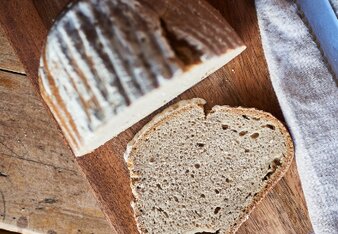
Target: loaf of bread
(107,64)
(193,172)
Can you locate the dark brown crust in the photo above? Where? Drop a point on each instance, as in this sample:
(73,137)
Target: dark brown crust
(184,105)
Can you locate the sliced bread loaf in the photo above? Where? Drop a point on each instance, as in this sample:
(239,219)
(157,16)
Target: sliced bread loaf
(107,64)
(193,172)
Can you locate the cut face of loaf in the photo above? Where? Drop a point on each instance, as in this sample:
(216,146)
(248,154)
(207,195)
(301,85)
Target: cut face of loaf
(197,173)
(109,63)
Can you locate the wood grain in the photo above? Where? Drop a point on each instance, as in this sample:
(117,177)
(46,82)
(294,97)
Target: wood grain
(8,59)
(39,180)
(26,31)
(49,10)
(245,82)
(41,186)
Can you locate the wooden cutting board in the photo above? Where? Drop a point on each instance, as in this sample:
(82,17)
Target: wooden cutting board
(41,186)
(244,81)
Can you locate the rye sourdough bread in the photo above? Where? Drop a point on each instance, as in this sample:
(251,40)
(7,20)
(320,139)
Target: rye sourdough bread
(193,172)
(107,64)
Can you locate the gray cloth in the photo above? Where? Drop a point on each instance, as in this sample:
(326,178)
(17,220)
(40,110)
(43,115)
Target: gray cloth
(308,95)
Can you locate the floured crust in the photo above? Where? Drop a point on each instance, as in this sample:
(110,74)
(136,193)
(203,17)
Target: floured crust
(108,64)
(185,105)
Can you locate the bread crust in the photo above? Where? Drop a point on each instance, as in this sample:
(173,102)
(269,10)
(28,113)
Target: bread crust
(185,105)
(107,64)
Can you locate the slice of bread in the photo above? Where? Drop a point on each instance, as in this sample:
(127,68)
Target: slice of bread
(193,172)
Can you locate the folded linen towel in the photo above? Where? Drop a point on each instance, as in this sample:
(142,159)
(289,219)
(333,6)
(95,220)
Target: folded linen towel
(308,95)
